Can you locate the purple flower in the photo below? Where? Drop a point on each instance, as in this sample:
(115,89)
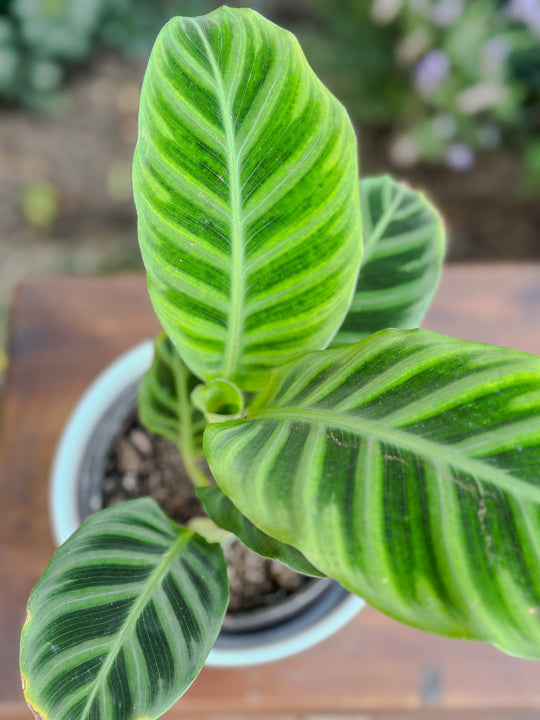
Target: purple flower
(460,156)
(496,49)
(528,11)
(431,70)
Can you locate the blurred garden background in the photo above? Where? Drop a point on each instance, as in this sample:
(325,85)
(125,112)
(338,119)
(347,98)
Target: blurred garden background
(443,93)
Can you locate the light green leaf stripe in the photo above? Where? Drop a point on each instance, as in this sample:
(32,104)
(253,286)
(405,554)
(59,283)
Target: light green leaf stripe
(123,618)
(404,242)
(221,510)
(164,399)
(407,467)
(165,406)
(245,179)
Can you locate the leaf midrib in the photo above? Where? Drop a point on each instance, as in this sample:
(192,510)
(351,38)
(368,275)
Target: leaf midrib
(377,230)
(235,325)
(169,556)
(426,448)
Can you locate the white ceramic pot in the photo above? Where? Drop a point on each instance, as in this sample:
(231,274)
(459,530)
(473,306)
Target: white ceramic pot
(312,616)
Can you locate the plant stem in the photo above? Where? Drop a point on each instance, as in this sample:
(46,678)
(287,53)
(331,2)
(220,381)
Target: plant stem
(196,475)
(186,445)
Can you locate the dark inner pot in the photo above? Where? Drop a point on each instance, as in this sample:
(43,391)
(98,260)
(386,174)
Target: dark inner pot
(140,464)
(132,463)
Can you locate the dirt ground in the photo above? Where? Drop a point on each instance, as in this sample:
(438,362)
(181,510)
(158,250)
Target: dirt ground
(83,156)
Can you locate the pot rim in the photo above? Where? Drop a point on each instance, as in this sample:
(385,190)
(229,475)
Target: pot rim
(63,501)
(335,608)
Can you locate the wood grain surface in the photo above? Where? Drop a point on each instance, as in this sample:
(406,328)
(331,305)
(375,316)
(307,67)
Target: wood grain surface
(64,331)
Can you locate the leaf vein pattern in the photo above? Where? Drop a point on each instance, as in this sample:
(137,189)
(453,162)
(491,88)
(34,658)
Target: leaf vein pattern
(237,290)
(421,446)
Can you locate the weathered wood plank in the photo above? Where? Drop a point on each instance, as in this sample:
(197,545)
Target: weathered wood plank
(63,331)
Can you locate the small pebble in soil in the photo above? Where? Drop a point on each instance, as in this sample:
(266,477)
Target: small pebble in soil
(129,481)
(129,460)
(141,441)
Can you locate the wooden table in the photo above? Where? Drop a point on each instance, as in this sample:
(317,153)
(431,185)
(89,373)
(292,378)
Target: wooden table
(63,331)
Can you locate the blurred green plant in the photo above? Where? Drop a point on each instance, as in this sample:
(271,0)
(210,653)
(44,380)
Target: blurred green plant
(60,29)
(449,77)
(40,40)
(39,204)
(474,69)
(531,162)
(131,26)
(355,57)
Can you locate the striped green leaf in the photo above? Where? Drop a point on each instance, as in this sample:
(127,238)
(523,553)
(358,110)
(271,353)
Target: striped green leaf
(123,619)
(164,399)
(245,179)
(165,406)
(404,242)
(221,510)
(407,467)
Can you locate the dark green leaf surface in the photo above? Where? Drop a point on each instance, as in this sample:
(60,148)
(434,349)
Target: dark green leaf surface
(123,618)
(245,179)
(221,510)
(407,467)
(404,244)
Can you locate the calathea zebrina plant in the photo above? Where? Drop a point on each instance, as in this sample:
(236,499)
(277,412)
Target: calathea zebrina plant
(402,463)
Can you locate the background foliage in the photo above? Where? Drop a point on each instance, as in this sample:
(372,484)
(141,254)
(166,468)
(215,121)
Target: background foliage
(450,77)
(474,72)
